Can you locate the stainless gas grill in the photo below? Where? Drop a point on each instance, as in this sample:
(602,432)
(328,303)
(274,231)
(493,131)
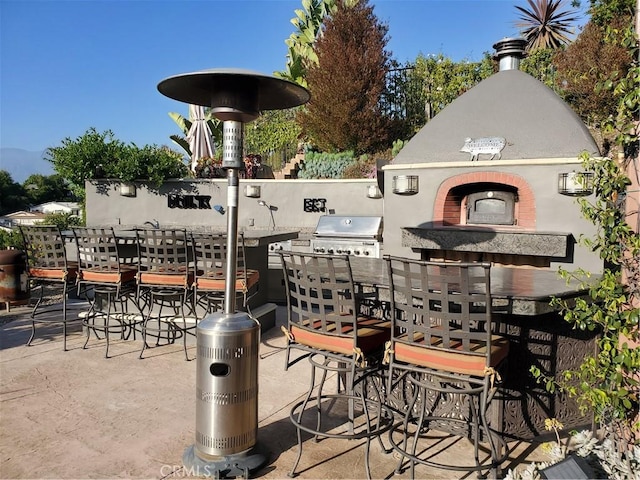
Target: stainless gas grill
(360,236)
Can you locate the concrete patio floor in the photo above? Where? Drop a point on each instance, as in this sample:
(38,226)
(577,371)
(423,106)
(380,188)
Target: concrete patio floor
(76,414)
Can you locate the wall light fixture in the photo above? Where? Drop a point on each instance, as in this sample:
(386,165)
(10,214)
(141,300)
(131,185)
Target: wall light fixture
(575,184)
(405,184)
(128,189)
(373,191)
(252,191)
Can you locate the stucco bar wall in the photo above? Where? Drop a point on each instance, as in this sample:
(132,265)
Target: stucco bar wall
(292,203)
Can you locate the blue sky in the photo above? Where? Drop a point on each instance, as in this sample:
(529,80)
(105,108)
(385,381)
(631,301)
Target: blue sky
(68,65)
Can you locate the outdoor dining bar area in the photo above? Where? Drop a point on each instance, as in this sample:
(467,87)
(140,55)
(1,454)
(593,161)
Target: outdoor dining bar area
(420,353)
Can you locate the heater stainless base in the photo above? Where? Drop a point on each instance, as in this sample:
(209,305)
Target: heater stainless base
(228,466)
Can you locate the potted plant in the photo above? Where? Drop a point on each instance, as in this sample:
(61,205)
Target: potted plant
(15,287)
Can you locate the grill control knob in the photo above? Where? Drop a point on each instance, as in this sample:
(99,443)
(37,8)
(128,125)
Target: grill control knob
(330,250)
(339,250)
(349,252)
(356,252)
(366,252)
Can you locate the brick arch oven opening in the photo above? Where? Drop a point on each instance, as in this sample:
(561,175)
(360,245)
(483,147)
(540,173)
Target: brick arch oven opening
(453,195)
(486,200)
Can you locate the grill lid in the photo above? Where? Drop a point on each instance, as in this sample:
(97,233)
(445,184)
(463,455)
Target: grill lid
(349,226)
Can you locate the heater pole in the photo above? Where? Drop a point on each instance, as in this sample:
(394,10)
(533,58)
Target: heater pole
(232,161)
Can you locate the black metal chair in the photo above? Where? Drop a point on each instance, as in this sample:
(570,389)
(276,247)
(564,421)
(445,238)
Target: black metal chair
(210,259)
(443,352)
(164,282)
(47,265)
(108,283)
(324,324)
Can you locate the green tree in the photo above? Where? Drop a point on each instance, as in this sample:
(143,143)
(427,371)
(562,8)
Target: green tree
(603,11)
(347,83)
(301,44)
(46,188)
(544,25)
(274,135)
(11,239)
(62,220)
(101,155)
(539,64)
(149,163)
(13,196)
(444,80)
(85,157)
(593,58)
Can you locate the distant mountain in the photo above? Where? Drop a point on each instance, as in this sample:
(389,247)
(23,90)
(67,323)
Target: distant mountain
(22,163)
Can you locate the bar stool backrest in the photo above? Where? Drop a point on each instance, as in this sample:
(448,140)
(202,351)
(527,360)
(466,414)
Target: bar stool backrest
(210,255)
(100,258)
(210,259)
(46,253)
(164,257)
(445,307)
(97,249)
(321,300)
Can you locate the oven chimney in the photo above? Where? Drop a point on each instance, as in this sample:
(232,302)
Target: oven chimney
(509,52)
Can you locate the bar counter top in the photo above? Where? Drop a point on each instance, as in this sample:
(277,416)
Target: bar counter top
(515,290)
(252,237)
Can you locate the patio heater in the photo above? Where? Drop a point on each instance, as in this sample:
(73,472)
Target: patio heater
(227,342)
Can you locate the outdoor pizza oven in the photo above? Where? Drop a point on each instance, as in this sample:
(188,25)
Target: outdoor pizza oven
(485,176)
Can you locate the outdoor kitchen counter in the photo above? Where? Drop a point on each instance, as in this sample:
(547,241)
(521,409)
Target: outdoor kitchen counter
(538,335)
(515,290)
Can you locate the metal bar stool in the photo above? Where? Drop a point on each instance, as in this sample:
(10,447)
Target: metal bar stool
(210,260)
(47,264)
(164,282)
(107,282)
(324,324)
(442,351)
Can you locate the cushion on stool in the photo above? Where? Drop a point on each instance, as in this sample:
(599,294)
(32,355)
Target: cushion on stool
(436,357)
(372,334)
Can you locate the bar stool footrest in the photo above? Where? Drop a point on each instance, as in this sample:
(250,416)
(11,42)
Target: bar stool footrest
(499,442)
(386,416)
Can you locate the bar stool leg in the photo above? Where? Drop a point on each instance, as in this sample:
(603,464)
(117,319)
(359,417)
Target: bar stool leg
(298,420)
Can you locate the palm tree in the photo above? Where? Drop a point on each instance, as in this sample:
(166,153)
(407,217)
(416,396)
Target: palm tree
(545,25)
(301,44)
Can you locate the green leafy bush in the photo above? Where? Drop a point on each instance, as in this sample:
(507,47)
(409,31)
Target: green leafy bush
(62,220)
(363,167)
(11,239)
(326,165)
(100,155)
(397,146)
